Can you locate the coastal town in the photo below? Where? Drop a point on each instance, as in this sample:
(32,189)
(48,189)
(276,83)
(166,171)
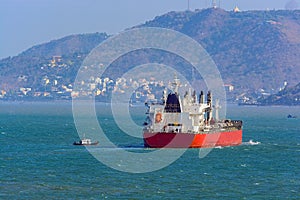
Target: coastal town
(53,85)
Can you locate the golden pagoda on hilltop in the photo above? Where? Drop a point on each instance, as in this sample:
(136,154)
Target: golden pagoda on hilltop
(236,9)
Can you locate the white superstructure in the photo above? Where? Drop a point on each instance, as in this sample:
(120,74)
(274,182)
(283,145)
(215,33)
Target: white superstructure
(189,115)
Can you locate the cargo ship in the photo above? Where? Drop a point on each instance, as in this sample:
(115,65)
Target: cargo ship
(188,122)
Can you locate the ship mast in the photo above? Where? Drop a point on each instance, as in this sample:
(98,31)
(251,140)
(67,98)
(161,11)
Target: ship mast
(209,109)
(165,96)
(176,84)
(217,107)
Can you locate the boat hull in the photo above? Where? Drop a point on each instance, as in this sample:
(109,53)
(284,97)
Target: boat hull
(80,144)
(188,140)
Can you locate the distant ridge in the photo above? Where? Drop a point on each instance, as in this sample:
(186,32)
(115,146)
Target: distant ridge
(257,47)
(254,50)
(79,44)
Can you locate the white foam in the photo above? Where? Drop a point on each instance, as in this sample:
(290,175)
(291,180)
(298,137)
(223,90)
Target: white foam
(218,147)
(251,142)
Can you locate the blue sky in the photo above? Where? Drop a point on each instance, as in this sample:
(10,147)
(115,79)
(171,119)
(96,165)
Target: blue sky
(24,23)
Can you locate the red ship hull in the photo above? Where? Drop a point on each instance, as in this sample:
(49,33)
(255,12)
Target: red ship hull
(187,140)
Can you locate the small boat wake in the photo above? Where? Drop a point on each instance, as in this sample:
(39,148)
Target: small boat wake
(251,143)
(118,148)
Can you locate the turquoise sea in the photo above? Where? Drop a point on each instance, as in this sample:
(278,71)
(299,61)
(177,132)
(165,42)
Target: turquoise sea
(38,160)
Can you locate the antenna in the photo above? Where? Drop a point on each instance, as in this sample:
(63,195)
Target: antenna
(214,3)
(176,84)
